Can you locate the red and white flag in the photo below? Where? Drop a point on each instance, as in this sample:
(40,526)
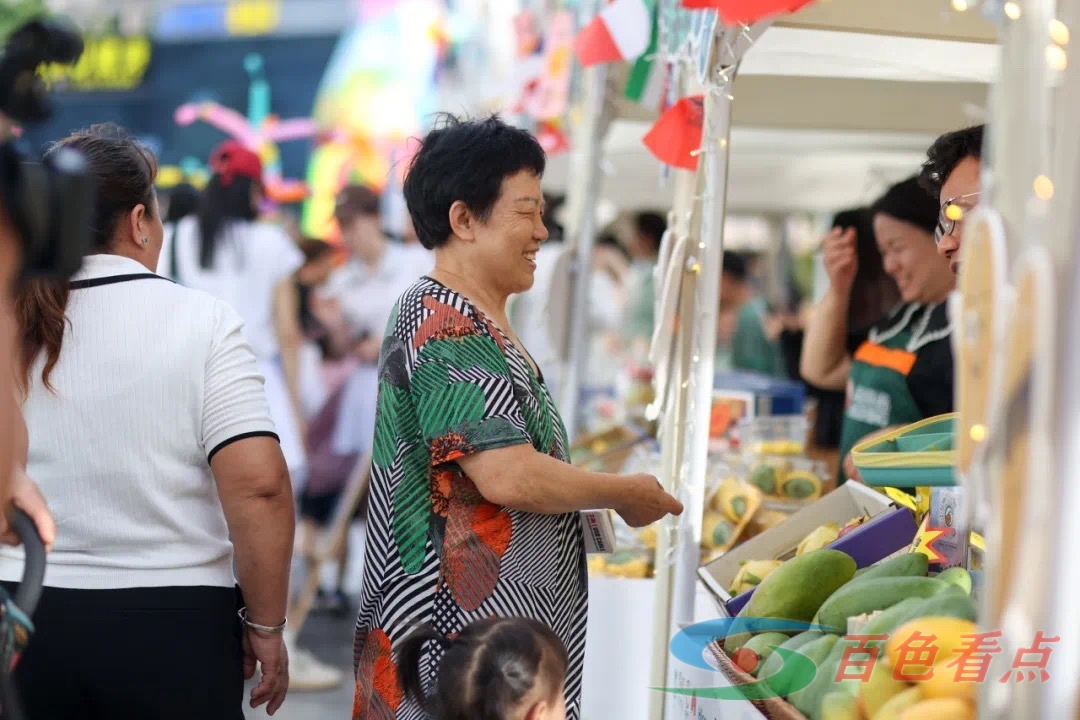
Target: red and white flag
(620,32)
(746,11)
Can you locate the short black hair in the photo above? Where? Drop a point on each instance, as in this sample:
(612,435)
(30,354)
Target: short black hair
(465,160)
(735,265)
(653,226)
(946,153)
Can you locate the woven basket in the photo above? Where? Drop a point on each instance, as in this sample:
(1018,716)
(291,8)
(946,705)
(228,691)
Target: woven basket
(771,708)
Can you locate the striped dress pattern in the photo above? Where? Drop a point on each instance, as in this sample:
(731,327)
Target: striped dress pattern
(452,384)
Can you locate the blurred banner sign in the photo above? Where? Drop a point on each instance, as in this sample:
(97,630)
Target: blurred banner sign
(109,63)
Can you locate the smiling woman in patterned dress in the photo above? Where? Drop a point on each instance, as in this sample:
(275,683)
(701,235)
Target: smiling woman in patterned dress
(473,506)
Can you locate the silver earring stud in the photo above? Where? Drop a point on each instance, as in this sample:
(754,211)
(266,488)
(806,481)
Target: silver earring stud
(145,240)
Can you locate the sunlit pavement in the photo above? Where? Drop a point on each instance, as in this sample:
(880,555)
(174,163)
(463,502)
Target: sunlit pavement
(330,639)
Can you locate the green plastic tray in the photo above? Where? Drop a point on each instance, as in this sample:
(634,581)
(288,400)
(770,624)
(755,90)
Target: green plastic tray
(917,455)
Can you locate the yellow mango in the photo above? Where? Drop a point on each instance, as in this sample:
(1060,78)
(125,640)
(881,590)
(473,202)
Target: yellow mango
(939,709)
(911,647)
(878,689)
(819,538)
(943,684)
(894,708)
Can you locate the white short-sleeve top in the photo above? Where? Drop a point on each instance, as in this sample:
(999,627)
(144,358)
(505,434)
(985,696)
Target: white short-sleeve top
(251,260)
(153,379)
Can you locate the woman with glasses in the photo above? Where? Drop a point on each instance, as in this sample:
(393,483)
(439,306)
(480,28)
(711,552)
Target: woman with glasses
(903,371)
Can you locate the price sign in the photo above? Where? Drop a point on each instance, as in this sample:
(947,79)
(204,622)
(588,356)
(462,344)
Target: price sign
(108,62)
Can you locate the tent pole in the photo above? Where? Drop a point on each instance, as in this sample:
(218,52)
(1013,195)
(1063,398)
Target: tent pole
(672,445)
(688,419)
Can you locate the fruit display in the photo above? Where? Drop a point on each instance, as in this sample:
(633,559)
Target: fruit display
(624,564)
(818,538)
(734,513)
(786,477)
(608,450)
(751,573)
(894,600)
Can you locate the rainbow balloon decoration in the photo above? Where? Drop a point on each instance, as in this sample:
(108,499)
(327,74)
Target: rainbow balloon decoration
(373,98)
(261,131)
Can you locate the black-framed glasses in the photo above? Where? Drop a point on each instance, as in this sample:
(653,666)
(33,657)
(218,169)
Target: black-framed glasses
(951,213)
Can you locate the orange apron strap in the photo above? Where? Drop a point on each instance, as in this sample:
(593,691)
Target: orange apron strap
(895,359)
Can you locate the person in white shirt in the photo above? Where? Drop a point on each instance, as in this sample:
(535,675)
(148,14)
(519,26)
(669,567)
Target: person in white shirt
(354,305)
(225,251)
(150,433)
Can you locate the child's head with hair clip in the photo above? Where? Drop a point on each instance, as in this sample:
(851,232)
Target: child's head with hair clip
(495,669)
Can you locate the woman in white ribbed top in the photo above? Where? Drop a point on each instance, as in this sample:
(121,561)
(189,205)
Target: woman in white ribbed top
(150,435)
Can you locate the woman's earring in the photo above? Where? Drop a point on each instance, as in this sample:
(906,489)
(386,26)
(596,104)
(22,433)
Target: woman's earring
(145,240)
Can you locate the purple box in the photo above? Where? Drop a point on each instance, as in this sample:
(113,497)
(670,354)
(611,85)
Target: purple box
(874,540)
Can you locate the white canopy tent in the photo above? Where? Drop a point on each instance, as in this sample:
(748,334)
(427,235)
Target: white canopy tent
(829,105)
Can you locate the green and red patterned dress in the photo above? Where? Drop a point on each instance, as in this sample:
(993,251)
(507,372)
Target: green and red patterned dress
(451,383)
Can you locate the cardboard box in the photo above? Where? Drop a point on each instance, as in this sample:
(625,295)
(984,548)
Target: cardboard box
(892,527)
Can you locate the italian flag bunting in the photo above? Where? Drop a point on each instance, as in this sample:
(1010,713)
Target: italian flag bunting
(647,82)
(619,32)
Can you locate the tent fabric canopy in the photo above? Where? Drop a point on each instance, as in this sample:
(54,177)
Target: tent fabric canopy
(892,73)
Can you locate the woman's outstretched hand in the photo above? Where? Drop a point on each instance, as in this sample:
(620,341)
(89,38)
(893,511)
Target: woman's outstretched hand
(646,501)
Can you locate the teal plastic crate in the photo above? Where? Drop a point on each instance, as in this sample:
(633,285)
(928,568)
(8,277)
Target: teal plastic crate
(918,455)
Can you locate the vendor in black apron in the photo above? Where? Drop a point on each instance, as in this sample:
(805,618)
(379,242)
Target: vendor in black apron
(903,371)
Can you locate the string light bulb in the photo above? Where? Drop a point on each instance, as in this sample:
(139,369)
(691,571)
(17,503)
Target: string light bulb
(1059,32)
(978,433)
(960,5)
(1012,10)
(1044,187)
(1056,57)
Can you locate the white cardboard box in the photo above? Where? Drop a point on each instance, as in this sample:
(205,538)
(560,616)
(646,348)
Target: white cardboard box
(849,501)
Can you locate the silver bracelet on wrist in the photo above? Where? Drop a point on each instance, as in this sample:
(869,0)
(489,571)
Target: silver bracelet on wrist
(274,629)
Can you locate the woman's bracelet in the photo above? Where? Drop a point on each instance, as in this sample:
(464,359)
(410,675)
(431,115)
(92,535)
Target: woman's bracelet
(275,629)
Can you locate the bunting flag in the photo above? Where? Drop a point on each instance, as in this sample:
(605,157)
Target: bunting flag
(552,138)
(746,11)
(676,137)
(647,82)
(619,32)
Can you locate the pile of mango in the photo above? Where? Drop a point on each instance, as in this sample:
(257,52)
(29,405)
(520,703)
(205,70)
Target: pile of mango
(893,598)
(779,477)
(752,572)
